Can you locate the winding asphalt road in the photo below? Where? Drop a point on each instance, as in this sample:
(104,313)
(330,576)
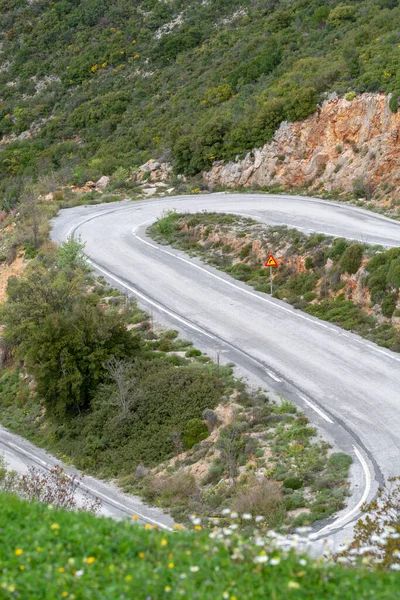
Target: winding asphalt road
(349,387)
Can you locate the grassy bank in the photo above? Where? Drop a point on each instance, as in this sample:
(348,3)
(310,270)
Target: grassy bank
(353,285)
(50,554)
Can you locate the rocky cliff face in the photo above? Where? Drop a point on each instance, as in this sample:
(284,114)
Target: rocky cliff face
(347,146)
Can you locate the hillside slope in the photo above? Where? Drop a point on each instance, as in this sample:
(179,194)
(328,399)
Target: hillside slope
(90,87)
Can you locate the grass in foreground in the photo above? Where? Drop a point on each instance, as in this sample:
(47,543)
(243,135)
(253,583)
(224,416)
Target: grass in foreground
(49,554)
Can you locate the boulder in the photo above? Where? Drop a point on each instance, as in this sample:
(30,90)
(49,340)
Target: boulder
(103,182)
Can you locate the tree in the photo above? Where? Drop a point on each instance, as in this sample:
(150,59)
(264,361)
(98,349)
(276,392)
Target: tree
(120,390)
(43,290)
(70,254)
(66,355)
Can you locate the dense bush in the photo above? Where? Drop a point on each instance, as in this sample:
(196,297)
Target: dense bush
(195,431)
(351,259)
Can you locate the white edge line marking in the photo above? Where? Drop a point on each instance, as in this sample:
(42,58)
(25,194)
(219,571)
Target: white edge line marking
(149,301)
(134,291)
(244,290)
(317,409)
(356,508)
(357,452)
(175,316)
(83,486)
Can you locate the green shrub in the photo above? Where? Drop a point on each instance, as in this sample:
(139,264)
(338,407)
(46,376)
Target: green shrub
(389,305)
(294,501)
(194,432)
(394,101)
(393,275)
(351,259)
(241,271)
(193,352)
(293,483)
(308,263)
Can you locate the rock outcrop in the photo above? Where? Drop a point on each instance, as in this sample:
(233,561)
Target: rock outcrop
(153,171)
(346,146)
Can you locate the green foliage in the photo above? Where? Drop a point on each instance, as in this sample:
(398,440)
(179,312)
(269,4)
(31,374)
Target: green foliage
(67,352)
(62,336)
(128,560)
(70,254)
(195,431)
(389,305)
(393,275)
(293,483)
(214,85)
(394,101)
(351,259)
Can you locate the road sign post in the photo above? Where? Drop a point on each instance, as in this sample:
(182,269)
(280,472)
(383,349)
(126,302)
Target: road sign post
(270,262)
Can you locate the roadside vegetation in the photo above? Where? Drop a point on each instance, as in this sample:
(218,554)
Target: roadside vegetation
(88,377)
(185,84)
(352,285)
(48,553)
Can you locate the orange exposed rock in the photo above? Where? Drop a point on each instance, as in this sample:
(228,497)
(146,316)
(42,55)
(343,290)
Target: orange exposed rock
(343,143)
(6,271)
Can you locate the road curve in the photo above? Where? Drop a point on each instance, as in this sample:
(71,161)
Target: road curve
(20,455)
(349,387)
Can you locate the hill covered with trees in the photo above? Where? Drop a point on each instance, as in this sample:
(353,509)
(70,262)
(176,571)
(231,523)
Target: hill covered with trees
(87,88)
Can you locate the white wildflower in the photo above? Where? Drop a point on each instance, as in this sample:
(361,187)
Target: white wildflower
(261,559)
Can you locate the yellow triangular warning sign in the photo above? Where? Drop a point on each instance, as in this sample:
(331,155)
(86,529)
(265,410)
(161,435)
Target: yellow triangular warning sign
(271,262)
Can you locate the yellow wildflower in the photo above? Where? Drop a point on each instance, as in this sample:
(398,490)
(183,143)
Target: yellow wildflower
(147,526)
(54,526)
(18,552)
(128,578)
(22,567)
(90,560)
(141,555)
(135,517)
(167,588)
(64,594)
(171,565)
(293,585)
(61,570)
(164,542)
